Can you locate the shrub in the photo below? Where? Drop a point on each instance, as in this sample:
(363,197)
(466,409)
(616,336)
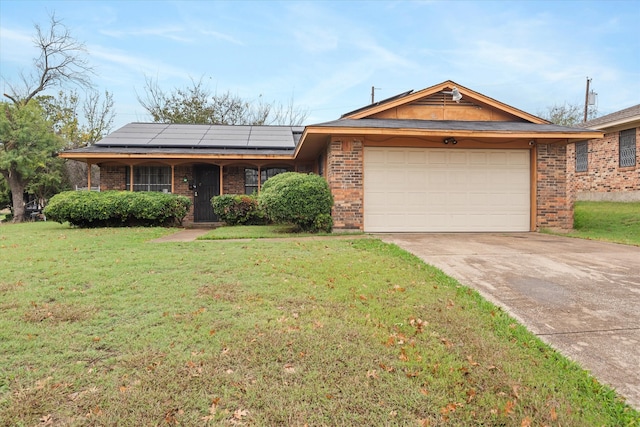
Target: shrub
(117,208)
(235,209)
(300,199)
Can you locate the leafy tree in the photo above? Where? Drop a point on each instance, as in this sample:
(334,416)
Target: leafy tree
(567,114)
(196,104)
(27,145)
(26,138)
(79,124)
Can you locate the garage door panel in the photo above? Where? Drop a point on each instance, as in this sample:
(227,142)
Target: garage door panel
(443,190)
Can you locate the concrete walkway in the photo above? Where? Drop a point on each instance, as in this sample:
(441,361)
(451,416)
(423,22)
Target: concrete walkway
(582,297)
(185,235)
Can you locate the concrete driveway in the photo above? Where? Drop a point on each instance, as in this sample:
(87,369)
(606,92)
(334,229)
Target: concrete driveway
(582,297)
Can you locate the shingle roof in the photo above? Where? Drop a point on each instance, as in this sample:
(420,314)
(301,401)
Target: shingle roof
(617,117)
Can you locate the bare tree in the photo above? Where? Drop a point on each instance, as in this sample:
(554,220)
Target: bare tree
(196,104)
(62,60)
(566,114)
(99,114)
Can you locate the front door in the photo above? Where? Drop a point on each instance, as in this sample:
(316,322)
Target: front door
(207,184)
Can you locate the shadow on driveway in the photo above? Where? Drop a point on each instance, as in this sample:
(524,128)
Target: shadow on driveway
(580,296)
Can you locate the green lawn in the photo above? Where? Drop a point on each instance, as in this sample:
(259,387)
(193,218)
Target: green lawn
(612,222)
(103,327)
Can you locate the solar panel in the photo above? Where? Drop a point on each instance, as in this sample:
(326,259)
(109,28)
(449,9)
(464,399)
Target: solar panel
(202,136)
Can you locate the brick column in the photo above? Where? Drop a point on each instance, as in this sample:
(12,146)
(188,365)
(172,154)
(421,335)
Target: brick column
(554,201)
(345,177)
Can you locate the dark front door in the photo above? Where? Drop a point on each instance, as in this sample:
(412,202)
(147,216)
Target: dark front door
(206,179)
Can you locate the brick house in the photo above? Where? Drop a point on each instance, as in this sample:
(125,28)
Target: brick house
(442,159)
(608,168)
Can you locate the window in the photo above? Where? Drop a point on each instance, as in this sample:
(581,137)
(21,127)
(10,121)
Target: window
(582,156)
(150,178)
(627,148)
(251,177)
(250,181)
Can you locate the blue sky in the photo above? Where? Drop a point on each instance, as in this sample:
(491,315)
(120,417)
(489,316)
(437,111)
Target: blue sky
(327,55)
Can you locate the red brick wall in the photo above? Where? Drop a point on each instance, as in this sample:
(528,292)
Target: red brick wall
(345,176)
(604,178)
(233,180)
(113,178)
(554,204)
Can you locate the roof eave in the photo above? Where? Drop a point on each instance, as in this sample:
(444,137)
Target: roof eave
(172,156)
(580,135)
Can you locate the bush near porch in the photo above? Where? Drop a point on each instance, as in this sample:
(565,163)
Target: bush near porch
(304,200)
(238,209)
(117,208)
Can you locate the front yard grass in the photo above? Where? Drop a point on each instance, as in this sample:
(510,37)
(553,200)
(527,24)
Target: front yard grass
(260,232)
(608,221)
(103,327)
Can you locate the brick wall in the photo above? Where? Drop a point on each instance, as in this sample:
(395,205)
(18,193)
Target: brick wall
(113,178)
(604,178)
(233,180)
(555,204)
(182,188)
(345,176)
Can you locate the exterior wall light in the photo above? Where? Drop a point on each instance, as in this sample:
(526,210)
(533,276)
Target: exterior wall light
(450,140)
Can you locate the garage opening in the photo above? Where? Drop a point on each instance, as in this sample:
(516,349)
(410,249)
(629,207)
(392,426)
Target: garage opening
(446,190)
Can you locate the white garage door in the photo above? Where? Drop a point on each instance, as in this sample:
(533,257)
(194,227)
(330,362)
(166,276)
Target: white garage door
(441,190)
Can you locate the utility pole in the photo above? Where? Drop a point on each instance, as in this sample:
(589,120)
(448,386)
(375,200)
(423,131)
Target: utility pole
(586,101)
(373,94)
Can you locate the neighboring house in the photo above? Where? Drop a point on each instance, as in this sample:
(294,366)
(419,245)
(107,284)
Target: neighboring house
(442,159)
(608,168)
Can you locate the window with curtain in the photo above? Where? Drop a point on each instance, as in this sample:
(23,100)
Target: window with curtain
(150,178)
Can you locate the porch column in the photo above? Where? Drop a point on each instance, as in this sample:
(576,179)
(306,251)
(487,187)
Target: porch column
(221,180)
(89,176)
(173,178)
(130,177)
(259,178)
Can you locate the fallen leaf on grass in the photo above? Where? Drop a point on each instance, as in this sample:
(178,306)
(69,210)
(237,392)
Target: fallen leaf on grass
(470,395)
(526,422)
(212,410)
(46,420)
(554,414)
(471,362)
(508,408)
(240,413)
(515,389)
(403,355)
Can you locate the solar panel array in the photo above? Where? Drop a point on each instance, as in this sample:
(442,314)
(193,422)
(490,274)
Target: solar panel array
(160,135)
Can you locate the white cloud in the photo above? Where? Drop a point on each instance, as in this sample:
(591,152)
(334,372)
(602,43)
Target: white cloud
(222,36)
(169,32)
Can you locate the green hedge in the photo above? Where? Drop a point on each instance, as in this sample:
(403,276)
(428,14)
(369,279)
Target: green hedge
(301,199)
(237,209)
(117,208)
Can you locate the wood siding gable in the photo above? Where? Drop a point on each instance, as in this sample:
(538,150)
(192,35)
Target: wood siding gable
(434,103)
